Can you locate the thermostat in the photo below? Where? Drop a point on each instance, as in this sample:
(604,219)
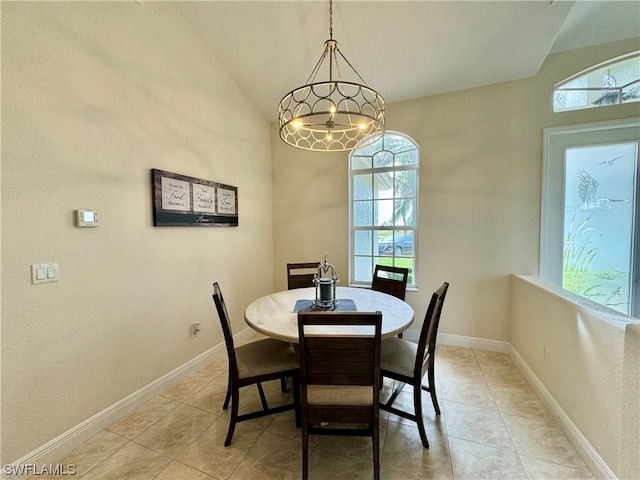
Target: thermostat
(87,218)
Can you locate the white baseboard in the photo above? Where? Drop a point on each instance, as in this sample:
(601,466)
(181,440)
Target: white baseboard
(461,341)
(53,450)
(472,342)
(596,464)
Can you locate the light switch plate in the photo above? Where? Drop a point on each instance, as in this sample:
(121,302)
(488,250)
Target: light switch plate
(44,273)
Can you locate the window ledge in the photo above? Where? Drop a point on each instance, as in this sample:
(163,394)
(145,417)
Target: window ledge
(608,314)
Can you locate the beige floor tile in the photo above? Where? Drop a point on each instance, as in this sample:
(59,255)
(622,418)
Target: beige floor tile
(455,353)
(461,370)
(173,433)
(92,452)
(208,453)
(469,392)
(391,475)
(506,375)
(541,470)
(187,387)
(132,462)
(542,440)
(284,425)
(143,417)
(331,465)
(472,460)
(487,358)
(218,366)
(210,397)
(403,453)
(492,426)
(519,400)
(479,425)
(178,471)
(271,458)
(355,447)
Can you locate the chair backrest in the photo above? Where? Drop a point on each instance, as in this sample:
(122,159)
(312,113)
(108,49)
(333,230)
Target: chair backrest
(391,280)
(330,359)
(429,332)
(301,279)
(218,300)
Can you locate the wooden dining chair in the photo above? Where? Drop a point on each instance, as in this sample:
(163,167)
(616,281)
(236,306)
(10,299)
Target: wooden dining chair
(300,276)
(252,364)
(391,280)
(407,362)
(340,377)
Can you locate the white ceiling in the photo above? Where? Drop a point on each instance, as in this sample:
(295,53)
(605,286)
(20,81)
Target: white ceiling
(403,49)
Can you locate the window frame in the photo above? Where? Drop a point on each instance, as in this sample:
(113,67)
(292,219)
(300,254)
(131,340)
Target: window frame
(412,285)
(553,197)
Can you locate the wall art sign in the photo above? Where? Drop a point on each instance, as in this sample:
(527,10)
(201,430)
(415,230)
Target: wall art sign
(179,200)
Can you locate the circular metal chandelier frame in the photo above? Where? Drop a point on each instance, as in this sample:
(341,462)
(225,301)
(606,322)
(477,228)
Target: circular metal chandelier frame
(331,116)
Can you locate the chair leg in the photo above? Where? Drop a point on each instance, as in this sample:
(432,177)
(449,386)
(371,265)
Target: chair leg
(417,405)
(376,452)
(305,450)
(263,399)
(432,389)
(296,400)
(283,384)
(233,418)
(228,396)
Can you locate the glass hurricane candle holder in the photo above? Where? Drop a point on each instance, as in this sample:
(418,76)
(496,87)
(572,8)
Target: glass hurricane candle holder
(325,279)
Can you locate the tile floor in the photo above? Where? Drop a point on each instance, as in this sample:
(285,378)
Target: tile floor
(492,426)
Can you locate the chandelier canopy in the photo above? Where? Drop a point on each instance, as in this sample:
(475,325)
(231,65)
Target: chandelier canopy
(331,115)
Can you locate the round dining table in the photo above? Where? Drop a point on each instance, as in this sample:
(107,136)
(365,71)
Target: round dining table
(274,315)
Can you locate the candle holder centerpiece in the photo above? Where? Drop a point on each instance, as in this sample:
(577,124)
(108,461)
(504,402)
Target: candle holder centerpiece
(325,279)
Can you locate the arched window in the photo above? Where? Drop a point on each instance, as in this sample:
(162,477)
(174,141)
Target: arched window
(611,83)
(383,213)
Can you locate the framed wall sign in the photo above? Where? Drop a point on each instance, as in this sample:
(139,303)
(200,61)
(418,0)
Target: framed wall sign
(179,200)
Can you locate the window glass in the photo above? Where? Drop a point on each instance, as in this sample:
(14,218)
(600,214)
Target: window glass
(383,215)
(611,83)
(598,222)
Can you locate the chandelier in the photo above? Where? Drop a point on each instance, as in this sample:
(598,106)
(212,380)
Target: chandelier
(331,115)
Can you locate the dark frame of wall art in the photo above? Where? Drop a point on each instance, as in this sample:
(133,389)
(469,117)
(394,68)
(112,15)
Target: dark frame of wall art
(179,200)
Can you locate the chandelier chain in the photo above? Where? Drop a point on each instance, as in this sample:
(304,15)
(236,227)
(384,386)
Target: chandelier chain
(331,19)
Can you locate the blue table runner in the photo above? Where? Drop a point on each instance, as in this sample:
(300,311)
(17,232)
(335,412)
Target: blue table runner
(344,305)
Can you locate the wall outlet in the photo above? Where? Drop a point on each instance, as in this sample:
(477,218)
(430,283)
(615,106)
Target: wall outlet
(195,329)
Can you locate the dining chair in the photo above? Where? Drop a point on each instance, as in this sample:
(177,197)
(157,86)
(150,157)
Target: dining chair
(391,280)
(340,377)
(298,275)
(252,364)
(407,362)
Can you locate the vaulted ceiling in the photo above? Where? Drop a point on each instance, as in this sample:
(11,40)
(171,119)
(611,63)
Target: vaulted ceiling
(403,49)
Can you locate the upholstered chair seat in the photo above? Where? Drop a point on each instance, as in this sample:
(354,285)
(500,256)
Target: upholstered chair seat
(266,356)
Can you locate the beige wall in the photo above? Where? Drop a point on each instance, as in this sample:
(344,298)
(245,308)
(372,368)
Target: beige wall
(94,95)
(480,180)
